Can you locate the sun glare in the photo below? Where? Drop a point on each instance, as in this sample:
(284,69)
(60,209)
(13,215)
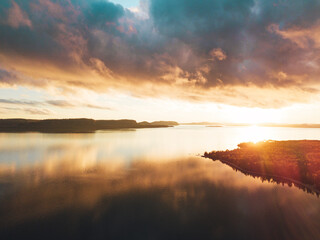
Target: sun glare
(255,133)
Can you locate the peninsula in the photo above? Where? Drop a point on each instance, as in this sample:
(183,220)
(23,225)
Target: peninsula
(293,162)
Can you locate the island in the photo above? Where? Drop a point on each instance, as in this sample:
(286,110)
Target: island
(157,123)
(293,162)
(77,125)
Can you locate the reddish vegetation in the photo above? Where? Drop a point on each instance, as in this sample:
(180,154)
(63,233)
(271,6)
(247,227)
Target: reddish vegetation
(298,161)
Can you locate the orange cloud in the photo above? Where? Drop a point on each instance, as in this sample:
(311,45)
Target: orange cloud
(303,37)
(218,53)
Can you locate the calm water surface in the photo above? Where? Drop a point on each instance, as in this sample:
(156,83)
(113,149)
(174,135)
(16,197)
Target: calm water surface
(146,184)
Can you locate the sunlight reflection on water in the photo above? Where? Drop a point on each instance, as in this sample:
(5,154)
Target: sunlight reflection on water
(153,144)
(147,183)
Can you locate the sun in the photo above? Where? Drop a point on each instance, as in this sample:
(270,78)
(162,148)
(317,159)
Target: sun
(256,134)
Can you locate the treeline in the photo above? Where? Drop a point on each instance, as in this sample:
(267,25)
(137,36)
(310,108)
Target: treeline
(80,125)
(296,160)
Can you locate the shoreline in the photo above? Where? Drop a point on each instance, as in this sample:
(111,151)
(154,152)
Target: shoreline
(293,162)
(281,179)
(75,125)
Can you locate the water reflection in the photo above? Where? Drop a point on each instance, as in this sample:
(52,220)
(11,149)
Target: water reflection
(279,180)
(145,184)
(158,144)
(189,198)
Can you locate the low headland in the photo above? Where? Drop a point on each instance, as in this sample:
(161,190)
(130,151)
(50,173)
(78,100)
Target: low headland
(292,162)
(76,125)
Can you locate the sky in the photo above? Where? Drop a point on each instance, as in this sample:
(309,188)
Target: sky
(249,61)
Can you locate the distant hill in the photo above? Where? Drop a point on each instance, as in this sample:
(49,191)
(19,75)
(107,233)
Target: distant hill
(200,123)
(78,125)
(167,123)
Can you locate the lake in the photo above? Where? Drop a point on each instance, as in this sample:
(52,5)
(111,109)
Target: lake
(147,184)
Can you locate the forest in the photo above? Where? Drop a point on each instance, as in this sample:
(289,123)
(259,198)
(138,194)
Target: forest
(75,125)
(296,162)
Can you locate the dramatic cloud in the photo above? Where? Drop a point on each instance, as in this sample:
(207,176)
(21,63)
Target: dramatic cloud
(211,50)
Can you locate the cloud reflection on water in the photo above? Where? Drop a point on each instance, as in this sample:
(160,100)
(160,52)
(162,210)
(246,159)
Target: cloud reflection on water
(75,197)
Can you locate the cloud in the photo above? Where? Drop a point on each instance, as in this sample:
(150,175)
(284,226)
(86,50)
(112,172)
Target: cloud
(303,37)
(217,53)
(59,103)
(35,111)
(97,107)
(55,103)
(206,50)
(6,76)
(32,111)
(64,103)
(17,18)
(19,102)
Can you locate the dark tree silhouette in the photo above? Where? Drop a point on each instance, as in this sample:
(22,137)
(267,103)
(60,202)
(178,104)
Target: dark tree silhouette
(296,162)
